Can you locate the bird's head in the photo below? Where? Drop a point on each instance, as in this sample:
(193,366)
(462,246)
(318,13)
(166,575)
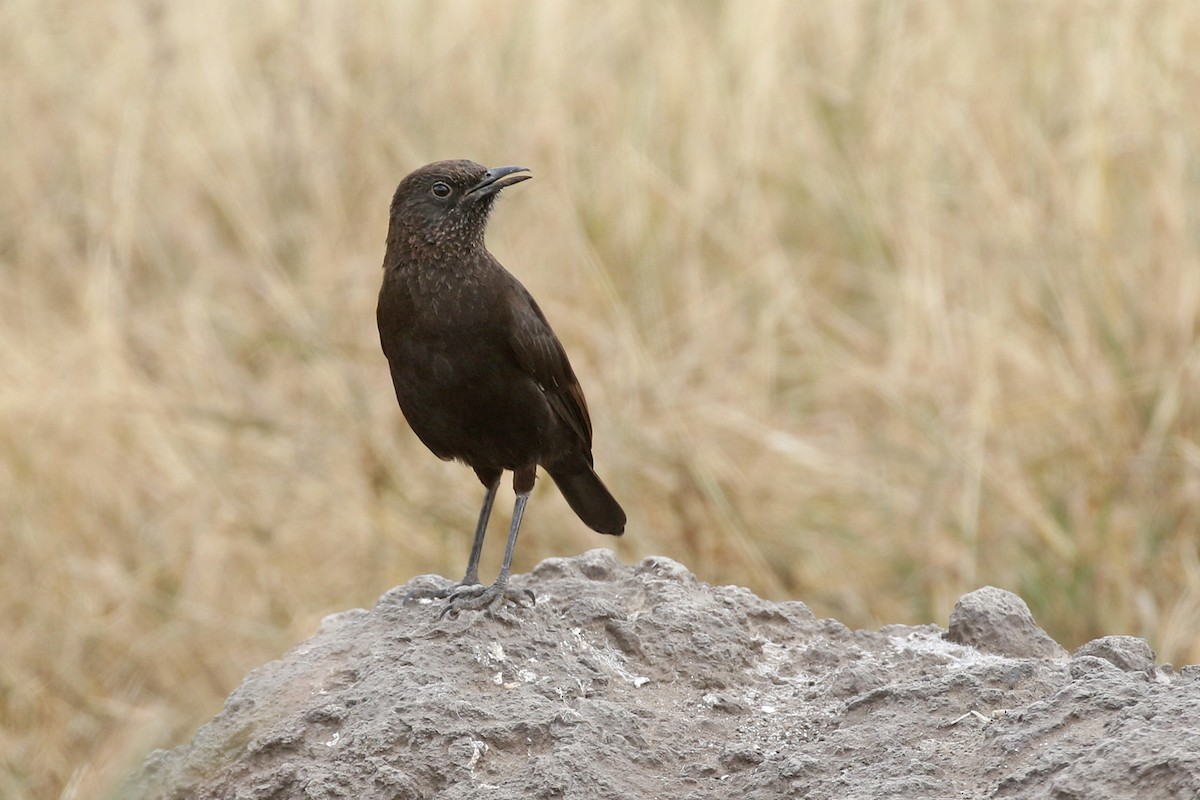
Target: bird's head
(444,206)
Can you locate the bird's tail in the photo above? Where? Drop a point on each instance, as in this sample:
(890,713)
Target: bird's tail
(589,498)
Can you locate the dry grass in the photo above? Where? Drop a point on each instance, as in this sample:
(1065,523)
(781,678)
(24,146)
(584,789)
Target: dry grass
(874,304)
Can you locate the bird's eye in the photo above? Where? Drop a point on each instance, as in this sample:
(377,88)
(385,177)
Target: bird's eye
(441,190)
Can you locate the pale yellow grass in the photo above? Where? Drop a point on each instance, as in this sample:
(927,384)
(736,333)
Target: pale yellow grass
(874,304)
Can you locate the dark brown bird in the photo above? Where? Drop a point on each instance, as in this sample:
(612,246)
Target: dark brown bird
(478,372)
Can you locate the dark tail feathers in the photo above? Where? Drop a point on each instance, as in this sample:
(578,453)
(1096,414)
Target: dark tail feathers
(590,499)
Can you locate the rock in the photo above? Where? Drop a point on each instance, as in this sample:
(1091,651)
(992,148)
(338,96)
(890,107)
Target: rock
(1127,653)
(999,622)
(636,682)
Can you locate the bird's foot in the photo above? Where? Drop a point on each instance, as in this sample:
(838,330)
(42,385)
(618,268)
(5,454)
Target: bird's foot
(486,598)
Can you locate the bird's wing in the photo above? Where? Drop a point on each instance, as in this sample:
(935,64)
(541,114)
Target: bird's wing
(541,356)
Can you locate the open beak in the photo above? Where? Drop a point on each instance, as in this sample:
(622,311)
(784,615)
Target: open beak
(496,179)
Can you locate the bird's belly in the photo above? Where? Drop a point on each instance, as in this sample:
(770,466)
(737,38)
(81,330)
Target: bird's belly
(473,406)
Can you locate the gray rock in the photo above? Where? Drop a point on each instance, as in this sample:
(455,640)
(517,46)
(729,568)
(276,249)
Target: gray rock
(636,682)
(1127,653)
(999,622)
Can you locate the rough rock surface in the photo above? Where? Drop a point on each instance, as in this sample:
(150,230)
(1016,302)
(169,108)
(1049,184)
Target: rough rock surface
(999,622)
(642,682)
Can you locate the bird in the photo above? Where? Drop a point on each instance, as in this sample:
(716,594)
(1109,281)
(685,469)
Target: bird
(479,374)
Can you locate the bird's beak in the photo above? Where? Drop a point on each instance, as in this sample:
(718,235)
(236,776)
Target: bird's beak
(496,179)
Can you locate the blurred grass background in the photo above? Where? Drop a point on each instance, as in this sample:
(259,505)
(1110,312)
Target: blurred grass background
(874,303)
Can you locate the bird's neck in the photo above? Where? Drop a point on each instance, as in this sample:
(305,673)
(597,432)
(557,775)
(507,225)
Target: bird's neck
(450,249)
(440,273)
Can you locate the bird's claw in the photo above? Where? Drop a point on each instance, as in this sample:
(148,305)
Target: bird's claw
(486,598)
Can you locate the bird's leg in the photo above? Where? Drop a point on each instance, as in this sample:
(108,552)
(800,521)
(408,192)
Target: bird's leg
(472,576)
(506,567)
(478,598)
